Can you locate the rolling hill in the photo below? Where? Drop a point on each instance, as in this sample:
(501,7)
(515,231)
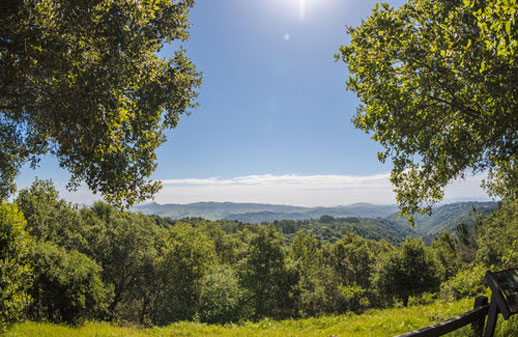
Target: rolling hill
(446,218)
(258,213)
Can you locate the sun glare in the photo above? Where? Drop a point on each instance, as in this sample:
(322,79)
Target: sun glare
(296,8)
(302,9)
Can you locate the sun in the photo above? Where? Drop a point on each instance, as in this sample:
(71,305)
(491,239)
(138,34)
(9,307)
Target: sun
(302,9)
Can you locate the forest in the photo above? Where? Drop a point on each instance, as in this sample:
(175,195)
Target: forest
(86,83)
(103,263)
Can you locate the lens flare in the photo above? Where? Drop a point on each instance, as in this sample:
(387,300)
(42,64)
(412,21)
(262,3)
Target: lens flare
(302,9)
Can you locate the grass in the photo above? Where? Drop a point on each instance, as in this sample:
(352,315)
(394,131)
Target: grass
(389,322)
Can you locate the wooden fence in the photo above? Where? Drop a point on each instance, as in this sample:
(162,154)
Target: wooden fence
(476,317)
(504,300)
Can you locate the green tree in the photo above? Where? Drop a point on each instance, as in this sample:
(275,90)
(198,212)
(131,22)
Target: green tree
(52,219)
(446,247)
(67,285)
(467,247)
(352,259)
(15,269)
(270,283)
(124,245)
(497,20)
(306,254)
(83,81)
(220,296)
(498,240)
(304,250)
(409,271)
(436,80)
(184,259)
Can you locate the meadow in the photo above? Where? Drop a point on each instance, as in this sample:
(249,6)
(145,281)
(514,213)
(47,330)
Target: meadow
(373,323)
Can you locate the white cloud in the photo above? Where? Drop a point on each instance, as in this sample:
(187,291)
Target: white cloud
(467,189)
(292,189)
(309,190)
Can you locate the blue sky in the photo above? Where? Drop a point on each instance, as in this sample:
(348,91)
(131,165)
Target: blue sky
(273,123)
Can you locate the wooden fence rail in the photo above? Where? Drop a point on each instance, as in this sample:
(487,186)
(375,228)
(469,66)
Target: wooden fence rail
(476,317)
(504,300)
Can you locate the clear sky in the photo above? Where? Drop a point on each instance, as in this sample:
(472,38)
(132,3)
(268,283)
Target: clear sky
(274,122)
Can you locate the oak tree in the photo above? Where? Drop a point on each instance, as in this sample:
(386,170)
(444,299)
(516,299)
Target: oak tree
(82,80)
(15,268)
(438,84)
(411,270)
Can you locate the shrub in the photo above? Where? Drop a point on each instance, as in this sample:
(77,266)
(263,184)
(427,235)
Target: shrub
(409,271)
(498,237)
(219,296)
(15,270)
(67,285)
(466,283)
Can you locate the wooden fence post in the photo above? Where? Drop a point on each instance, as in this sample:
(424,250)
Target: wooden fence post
(478,326)
(491,318)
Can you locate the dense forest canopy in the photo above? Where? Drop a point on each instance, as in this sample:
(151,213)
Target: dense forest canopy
(103,263)
(83,81)
(438,87)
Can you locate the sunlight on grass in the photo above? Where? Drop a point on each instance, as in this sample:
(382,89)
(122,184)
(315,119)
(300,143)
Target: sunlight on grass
(373,323)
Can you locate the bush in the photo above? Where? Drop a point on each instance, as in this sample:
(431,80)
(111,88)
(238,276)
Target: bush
(409,271)
(498,237)
(15,270)
(423,299)
(354,298)
(219,296)
(466,283)
(67,285)
(182,263)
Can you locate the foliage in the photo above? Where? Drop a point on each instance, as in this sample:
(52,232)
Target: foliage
(336,278)
(67,285)
(446,218)
(155,271)
(50,218)
(15,271)
(467,283)
(304,250)
(467,247)
(375,323)
(409,271)
(181,265)
(220,296)
(351,259)
(498,239)
(333,230)
(269,281)
(83,81)
(497,19)
(445,247)
(438,94)
(123,244)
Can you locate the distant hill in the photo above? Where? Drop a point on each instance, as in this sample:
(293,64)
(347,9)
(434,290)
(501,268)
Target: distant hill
(257,213)
(445,218)
(329,229)
(328,224)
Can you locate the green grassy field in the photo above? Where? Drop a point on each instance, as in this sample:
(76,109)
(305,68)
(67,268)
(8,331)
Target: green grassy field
(388,322)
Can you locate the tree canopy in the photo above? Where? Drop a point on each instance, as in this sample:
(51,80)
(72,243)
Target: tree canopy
(438,84)
(15,267)
(409,271)
(83,81)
